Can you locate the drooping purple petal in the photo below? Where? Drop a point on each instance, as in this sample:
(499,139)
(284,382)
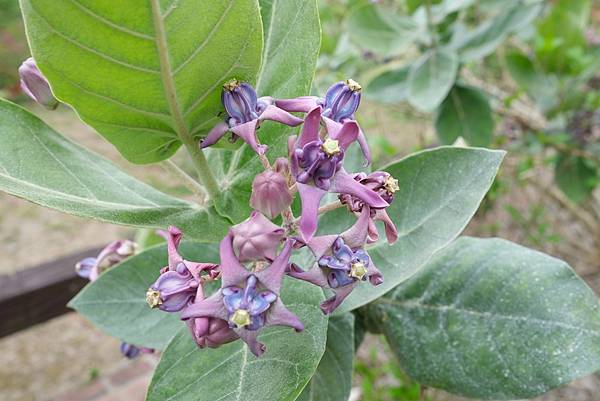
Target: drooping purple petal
(310,130)
(280,315)
(274,113)
(340,293)
(356,236)
(214,135)
(210,307)
(344,183)
(173,236)
(272,276)
(300,104)
(310,197)
(346,134)
(232,271)
(247,131)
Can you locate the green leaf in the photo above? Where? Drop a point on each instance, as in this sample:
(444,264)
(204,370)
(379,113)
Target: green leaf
(231,372)
(383,31)
(389,87)
(483,40)
(431,78)
(490,319)
(440,190)
(40,165)
(116,301)
(576,177)
(541,87)
(145,74)
(333,379)
(465,113)
(292,40)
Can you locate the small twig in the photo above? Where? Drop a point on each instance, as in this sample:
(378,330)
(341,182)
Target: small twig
(185,179)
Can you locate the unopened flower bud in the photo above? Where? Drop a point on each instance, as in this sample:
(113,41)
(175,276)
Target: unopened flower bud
(270,193)
(256,238)
(84,267)
(129,351)
(211,331)
(35,85)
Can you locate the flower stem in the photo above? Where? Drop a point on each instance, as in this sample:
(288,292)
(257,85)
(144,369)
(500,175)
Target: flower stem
(207,179)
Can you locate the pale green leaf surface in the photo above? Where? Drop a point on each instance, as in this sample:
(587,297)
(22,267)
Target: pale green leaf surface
(292,40)
(490,319)
(333,379)
(465,113)
(144,73)
(440,190)
(383,31)
(232,373)
(40,165)
(389,87)
(430,79)
(116,301)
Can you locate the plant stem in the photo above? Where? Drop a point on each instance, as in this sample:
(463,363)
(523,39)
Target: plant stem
(198,159)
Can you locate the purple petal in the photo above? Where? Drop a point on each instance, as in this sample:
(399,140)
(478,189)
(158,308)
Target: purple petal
(346,134)
(340,293)
(310,130)
(356,236)
(249,337)
(343,183)
(274,113)
(364,146)
(232,271)
(214,135)
(314,275)
(272,276)
(247,132)
(300,104)
(375,276)
(321,245)
(310,197)
(279,315)
(210,307)
(173,236)
(391,232)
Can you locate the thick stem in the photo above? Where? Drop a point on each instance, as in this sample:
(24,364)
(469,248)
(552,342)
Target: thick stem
(198,159)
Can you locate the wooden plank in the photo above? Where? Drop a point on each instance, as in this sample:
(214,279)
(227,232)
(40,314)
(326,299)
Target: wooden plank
(34,295)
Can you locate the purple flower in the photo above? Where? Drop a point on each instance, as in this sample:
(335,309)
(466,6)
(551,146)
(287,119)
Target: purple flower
(245,112)
(111,255)
(337,107)
(341,264)
(256,238)
(131,351)
(270,190)
(35,85)
(179,281)
(385,185)
(317,167)
(248,300)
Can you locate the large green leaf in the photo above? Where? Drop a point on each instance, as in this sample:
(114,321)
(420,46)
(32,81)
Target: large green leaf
(490,319)
(145,74)
(40,165)
(576,177)
(333,379)
(116,301)
(440,190)
(374,28)
(389,87)
(431,78)
(483,40)
(231,372)
(292,40)
(466,113)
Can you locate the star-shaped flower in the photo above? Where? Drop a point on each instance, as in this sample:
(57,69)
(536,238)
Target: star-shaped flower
(248,300)
(341,262)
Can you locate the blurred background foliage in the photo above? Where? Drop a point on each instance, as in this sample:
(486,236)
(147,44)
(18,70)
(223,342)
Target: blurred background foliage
(521,75)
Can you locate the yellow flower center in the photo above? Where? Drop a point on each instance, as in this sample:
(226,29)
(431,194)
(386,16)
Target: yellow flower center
(353,85)
(231,85)
(241,318)
(358,270)
(331,147)
(153,298)
(391,184)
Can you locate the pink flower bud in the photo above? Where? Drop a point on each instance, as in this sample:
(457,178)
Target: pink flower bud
(256,238)
(270,193)
(35,85)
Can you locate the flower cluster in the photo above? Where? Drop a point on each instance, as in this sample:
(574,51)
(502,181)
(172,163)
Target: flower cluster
(255,254)
(90,268)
